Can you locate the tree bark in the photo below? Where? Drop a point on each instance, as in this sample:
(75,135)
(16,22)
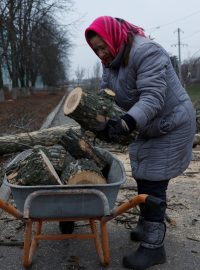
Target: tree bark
(57,155)
(90,110)
(80,148)
(82,171)
(32,168)
(22,141)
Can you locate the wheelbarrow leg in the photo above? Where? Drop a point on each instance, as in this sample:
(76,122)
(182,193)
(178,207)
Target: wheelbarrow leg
(105,243)
(30,245)
(27,243)
(96,239)
(34,242)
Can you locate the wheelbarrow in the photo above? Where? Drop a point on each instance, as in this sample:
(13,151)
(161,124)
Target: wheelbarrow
(93,203)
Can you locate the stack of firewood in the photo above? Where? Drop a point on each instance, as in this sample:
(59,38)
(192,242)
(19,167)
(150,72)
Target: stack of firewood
(73,161)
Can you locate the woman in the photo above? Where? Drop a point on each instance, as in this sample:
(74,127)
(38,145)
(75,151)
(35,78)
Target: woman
(146,86)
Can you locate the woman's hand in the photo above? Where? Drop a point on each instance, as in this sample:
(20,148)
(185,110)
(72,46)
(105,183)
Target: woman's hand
(112,129)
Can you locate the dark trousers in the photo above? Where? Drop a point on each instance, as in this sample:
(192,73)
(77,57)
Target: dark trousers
(157,189)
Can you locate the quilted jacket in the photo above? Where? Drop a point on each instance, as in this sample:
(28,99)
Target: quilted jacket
(149,90)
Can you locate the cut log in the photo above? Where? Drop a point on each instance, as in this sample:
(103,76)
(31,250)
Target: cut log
(32,168)
(22,141)
(82,171)
(107,93)
(57,155)
(90,110)
(80,148)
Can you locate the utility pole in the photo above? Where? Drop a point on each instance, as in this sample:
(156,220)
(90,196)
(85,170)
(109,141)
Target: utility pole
(179,44)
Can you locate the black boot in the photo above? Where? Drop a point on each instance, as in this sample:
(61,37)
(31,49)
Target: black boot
(151,250)
(138,232)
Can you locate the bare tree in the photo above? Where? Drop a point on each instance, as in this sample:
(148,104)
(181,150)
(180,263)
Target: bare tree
(93,83)
(97,70)
(80,73)
(96,75)
(20,21)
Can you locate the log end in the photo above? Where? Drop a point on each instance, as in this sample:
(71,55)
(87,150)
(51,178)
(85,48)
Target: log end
(50,167)
(109,92)
(72,100)
(86,178)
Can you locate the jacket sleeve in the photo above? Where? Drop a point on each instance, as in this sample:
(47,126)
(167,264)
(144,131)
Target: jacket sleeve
(150,63)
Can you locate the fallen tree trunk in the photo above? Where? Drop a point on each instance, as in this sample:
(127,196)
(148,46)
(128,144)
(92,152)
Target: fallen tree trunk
(90,110)
(22,141)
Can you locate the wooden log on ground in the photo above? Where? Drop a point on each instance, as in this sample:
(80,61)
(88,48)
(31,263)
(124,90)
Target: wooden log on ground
(22,141)
(32,168)
(82,171)
(90,110)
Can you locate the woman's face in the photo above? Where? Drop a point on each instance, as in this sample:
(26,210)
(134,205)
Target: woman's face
(101,49)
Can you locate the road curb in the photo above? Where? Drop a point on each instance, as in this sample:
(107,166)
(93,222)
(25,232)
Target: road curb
(48,121)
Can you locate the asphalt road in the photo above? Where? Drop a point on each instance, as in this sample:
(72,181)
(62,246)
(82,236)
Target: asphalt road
(81,255)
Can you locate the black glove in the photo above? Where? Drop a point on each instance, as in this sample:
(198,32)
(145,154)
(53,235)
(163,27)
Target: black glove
(112,129)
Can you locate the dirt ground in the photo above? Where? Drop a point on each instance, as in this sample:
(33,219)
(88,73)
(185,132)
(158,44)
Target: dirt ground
(28,113)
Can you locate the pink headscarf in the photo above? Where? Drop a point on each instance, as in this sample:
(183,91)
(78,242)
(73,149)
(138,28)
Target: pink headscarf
(113,31)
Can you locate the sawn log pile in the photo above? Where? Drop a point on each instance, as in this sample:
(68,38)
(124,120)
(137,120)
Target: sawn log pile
(73,161)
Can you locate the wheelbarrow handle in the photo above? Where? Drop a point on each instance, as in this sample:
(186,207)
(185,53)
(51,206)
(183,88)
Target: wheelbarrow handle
(10,209)
(67,192)
(136,200)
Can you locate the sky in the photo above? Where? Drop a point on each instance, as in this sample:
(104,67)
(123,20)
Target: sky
(160,19)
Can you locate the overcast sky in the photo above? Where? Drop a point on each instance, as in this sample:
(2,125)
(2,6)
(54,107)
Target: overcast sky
(160,19)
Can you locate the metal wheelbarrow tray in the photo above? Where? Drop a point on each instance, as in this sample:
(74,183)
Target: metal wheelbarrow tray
(36,204)
(78,205)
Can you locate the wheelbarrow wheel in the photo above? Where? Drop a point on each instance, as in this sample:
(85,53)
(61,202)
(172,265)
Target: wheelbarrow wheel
(66,227)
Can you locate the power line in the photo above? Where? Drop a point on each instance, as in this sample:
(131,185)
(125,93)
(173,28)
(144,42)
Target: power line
(198,31)
(172,22)
(195,53)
